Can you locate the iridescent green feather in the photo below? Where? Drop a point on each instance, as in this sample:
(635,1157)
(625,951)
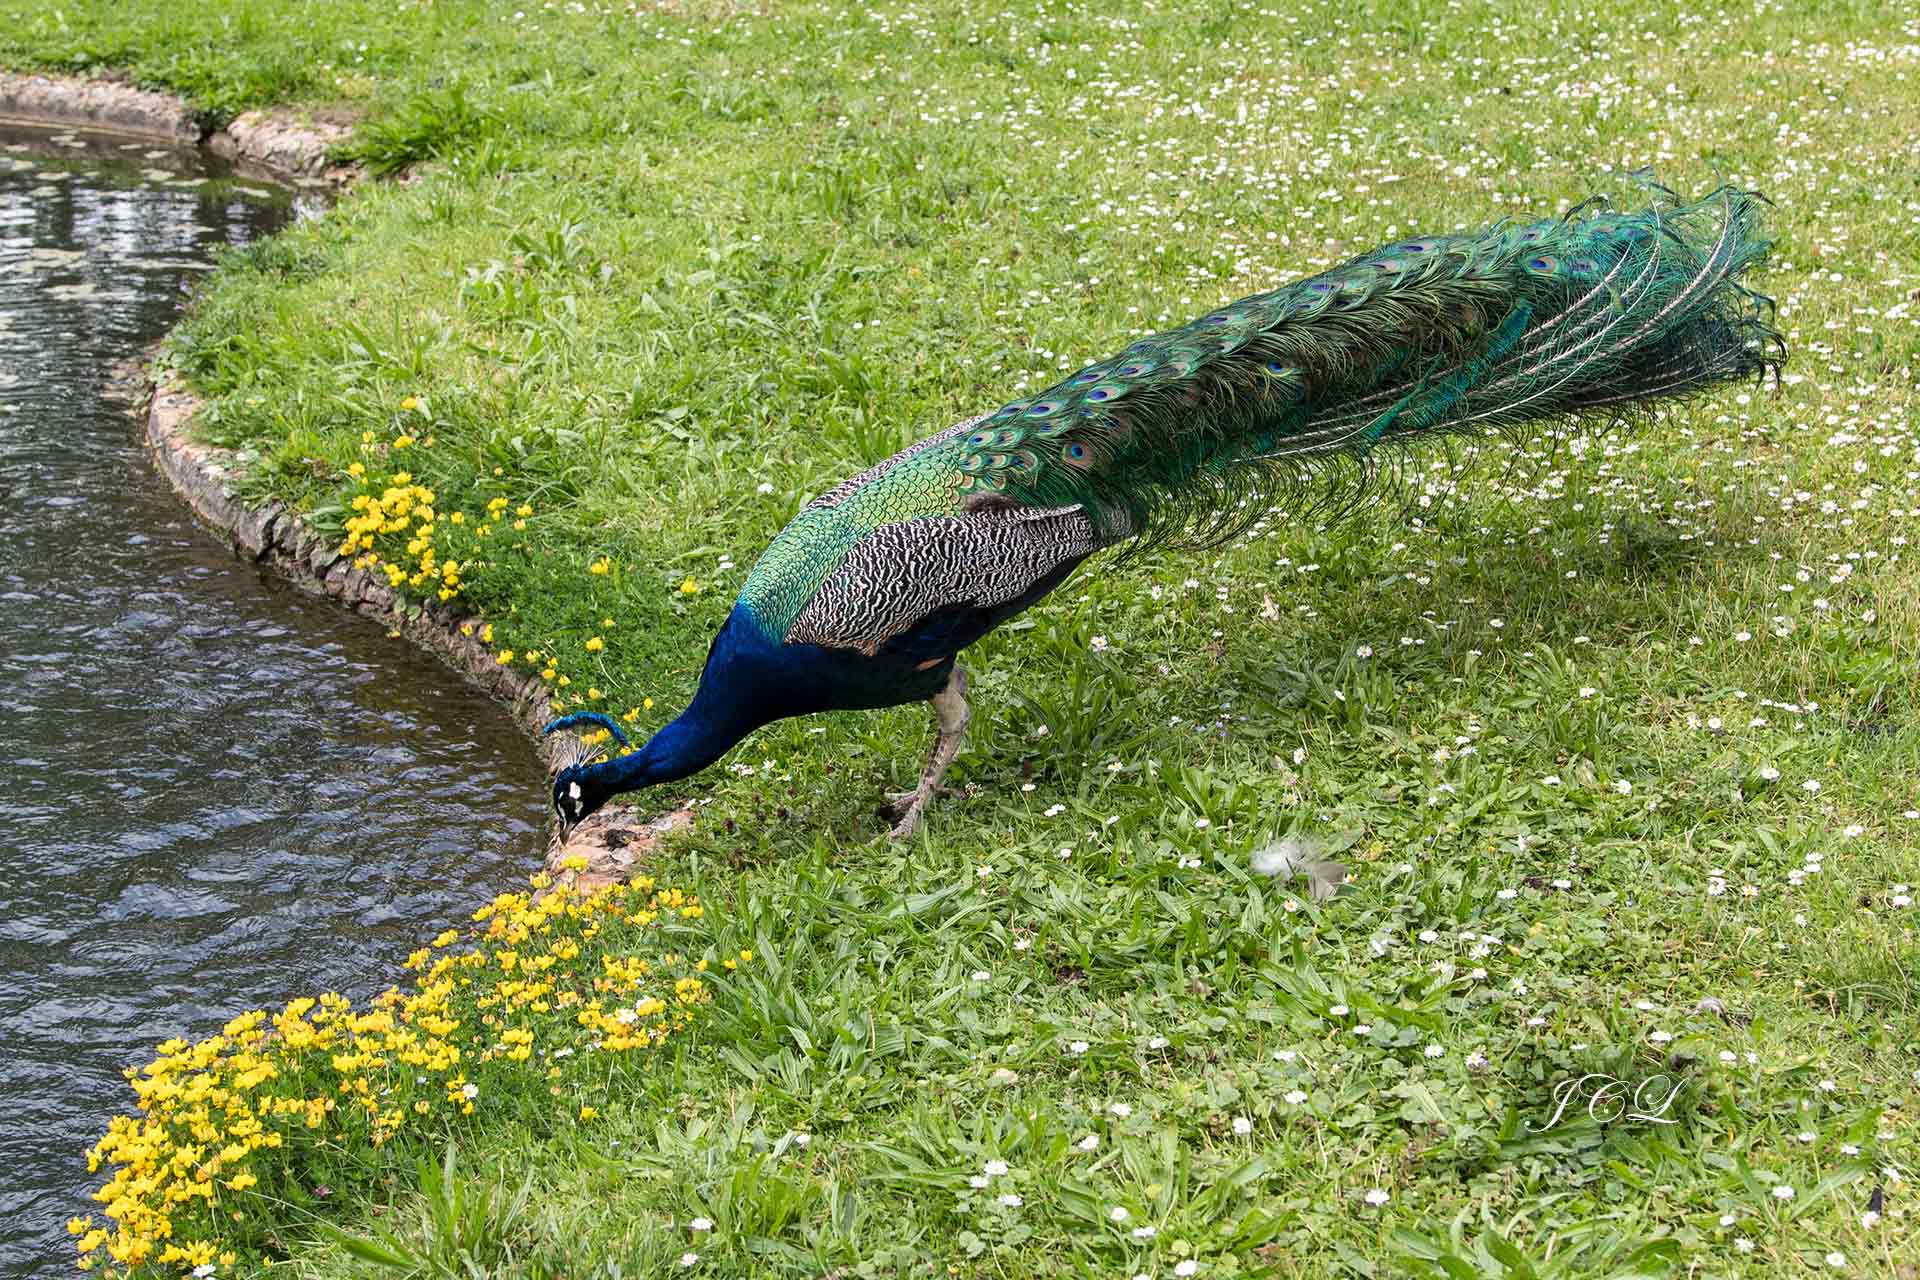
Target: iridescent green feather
(1192,434)
(918,481)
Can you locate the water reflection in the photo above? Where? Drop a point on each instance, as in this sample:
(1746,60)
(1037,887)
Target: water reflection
(219,792)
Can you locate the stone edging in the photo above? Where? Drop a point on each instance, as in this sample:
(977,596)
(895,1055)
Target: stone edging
(269,144)
(614,840)
(277,537)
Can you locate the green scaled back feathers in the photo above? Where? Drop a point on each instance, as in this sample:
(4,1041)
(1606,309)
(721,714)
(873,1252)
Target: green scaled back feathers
(1193,434)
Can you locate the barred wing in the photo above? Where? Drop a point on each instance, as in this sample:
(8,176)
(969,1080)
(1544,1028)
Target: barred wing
(973,570)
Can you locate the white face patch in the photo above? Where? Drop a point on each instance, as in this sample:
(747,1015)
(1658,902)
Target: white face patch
(573,791)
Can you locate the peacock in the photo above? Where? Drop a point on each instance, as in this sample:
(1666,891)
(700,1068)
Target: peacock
(1186,438)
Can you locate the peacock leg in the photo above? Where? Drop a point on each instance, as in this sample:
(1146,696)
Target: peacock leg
(951,714)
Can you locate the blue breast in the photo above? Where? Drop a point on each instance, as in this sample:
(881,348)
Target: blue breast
(753,676)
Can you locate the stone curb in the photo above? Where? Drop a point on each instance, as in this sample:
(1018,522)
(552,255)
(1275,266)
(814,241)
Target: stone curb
(97,104)
(269,144)
(275,145)
(613,841)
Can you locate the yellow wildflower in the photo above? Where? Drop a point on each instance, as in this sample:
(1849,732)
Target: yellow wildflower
(596,644)
(333,1075)
(689,587)
(506,656)
(600,566)
(410,403)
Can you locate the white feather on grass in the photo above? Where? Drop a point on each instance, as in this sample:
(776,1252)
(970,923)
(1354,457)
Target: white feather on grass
(1291,854)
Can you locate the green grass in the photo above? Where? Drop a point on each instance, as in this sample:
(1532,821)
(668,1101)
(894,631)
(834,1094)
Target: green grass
(672,269)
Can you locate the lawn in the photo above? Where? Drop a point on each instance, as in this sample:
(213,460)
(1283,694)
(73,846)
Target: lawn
(1615,731)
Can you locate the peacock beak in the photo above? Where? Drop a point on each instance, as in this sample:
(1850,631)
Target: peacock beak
(566,809)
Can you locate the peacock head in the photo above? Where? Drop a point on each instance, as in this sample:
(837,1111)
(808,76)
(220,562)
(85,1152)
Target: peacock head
(726,708)
(577,795)
(579,788)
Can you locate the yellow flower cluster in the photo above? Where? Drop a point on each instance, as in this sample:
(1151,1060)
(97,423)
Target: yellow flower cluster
(556,989)
(395,524)
(407,509)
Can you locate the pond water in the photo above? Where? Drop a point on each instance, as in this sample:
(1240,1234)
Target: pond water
(219,793)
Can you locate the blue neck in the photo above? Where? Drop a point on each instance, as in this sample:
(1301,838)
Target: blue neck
(684,746)
(731,703)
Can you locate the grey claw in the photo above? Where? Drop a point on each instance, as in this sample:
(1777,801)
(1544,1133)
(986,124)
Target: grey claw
(909,823)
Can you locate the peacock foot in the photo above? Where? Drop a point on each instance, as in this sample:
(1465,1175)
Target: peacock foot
(951,715)
(894,804)
(904,809)
(908,821)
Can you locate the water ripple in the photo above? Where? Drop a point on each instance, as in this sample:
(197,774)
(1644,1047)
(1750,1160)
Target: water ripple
(220,793)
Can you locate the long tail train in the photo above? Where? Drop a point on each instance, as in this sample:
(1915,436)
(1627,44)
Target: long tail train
(1189,435)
